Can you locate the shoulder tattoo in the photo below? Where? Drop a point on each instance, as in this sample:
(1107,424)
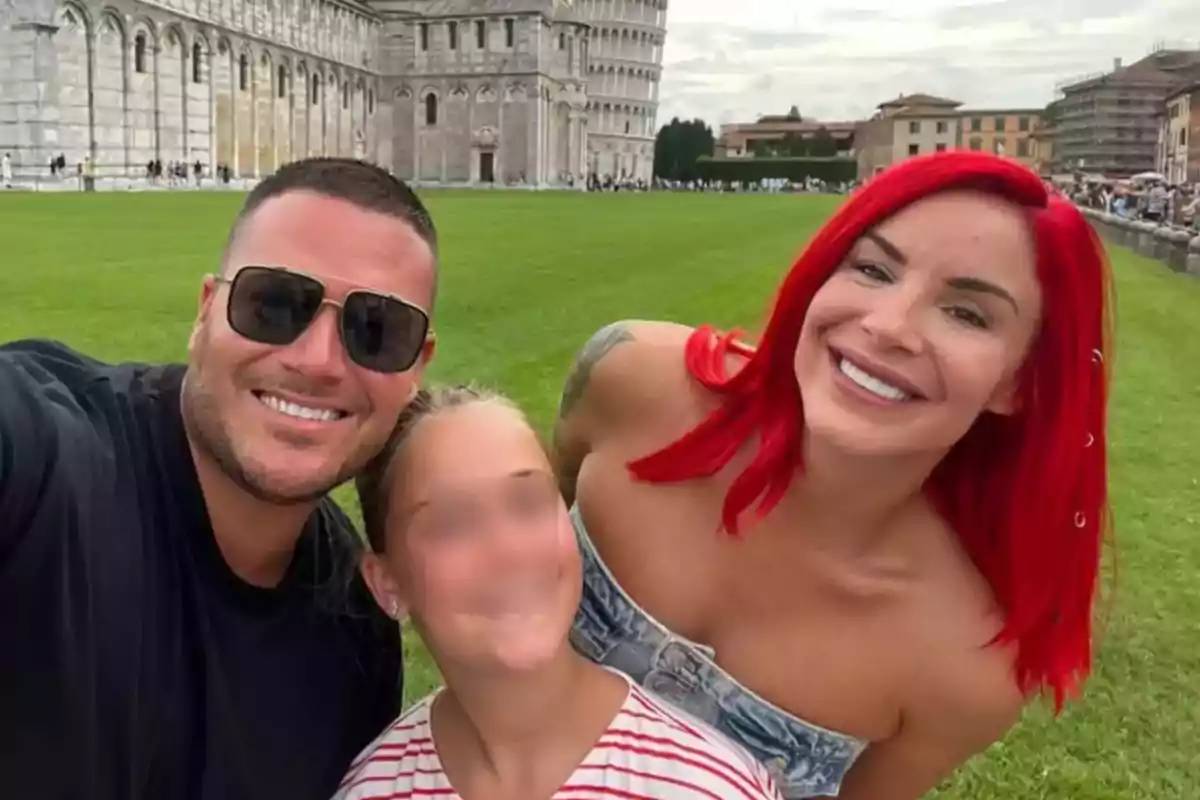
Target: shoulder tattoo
(596,349)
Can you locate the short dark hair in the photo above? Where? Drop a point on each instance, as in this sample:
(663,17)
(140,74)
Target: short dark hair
(358,182)
(374,481)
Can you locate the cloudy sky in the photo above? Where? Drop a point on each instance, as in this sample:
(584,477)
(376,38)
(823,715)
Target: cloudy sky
(837,59)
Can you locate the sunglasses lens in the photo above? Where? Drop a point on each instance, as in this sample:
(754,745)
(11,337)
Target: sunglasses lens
(273,306)
(382,333)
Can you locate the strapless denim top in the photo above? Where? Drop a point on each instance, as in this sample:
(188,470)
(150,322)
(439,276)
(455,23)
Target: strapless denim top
(805,760)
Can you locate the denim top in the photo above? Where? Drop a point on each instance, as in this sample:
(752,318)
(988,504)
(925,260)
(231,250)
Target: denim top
(805,760)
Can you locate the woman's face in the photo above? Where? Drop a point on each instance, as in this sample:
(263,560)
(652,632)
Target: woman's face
(922,328)
(479,544)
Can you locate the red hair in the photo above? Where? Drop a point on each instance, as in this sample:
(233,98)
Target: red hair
(1026,493)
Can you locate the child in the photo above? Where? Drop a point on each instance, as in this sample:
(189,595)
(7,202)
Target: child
(472,541)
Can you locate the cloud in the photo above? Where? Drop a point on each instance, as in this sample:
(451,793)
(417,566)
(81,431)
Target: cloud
(838,59)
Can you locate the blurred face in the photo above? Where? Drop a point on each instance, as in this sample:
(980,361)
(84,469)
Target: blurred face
(288,423)
(922,328)
(480,550)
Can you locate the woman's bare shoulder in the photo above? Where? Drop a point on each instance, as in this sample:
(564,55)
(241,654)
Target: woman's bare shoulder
(960,622)
(628,369)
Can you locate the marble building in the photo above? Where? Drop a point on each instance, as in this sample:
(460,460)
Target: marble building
(534,92)
(625,50)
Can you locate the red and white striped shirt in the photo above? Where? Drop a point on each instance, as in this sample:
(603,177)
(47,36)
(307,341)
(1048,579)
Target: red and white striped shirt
(649,752)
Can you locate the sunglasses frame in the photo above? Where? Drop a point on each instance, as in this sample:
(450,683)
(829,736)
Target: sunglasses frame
(340,305)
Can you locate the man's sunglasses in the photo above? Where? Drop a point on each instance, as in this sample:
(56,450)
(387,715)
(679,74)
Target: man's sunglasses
(275,306)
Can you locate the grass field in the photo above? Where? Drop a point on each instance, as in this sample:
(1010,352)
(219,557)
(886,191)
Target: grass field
(528,277)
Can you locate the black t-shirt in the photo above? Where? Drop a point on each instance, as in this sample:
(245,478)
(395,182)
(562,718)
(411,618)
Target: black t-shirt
(134,664)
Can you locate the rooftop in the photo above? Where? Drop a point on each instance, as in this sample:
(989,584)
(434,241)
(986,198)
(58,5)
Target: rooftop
(919,99)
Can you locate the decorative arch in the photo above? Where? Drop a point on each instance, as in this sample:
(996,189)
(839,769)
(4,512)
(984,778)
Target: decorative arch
(144,44)
(173,30)
(74,15)
(147,24)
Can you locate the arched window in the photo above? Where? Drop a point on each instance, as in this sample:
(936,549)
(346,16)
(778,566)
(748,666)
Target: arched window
(197,63)
(431,109)
(316,89)
(281,81)
(243,70)
(139,53)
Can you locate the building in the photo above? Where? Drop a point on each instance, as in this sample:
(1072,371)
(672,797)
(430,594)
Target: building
(624,70)
(484,93)
(1108,123)
(1179,136)
(1007,132)
(1045,140)
(905,127)
(787,134)
(455,91)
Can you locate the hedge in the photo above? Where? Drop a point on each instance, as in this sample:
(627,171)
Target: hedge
(752,170)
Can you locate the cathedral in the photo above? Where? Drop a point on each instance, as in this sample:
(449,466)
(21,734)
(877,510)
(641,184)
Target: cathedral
(538,93)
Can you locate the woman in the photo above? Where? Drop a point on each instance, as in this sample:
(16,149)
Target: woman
(919,437)
(472,540)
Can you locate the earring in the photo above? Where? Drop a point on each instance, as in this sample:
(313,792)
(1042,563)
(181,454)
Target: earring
(394,611)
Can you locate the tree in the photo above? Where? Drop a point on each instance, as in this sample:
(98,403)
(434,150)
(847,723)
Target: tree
(677,147)
(822,144)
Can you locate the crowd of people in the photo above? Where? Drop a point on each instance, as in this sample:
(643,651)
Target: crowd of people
(1153,200)
(838,558)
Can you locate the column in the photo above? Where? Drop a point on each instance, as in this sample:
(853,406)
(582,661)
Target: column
(23,97)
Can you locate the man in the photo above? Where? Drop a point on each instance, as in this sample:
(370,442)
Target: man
(6,173)
(1156,204)
(179,612)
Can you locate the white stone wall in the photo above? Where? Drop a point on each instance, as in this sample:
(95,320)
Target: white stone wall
(625,48)
(476,88)
(215,81)
(525,90)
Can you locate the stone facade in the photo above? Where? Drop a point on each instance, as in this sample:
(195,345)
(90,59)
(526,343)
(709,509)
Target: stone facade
(249,84)
(485,92)
(624,69)
(446,91)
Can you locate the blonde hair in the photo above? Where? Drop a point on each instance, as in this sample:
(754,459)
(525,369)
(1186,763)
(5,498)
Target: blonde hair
(374,482)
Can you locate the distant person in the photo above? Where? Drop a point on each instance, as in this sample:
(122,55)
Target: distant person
(1157,200)
(813,542)
(181,615)
(472,542)
(6,173)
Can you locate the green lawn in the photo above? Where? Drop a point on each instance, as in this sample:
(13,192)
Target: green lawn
(528,277)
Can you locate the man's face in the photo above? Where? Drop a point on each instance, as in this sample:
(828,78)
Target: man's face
(288,423)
